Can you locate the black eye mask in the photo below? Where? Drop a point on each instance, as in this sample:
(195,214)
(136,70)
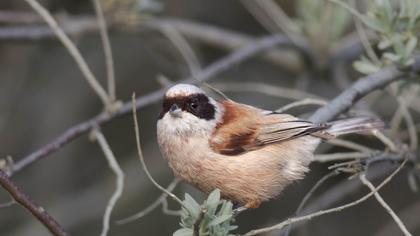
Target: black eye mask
(196,104)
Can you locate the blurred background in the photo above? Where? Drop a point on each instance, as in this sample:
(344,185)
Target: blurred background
(43,93)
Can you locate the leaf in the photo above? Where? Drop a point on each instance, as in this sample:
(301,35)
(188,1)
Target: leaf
(384,43)
(411,45)
(365,67)
(213,199)
(192,206)
(391,56)
(372,23)
(183,232)
(219,220)
(226,208)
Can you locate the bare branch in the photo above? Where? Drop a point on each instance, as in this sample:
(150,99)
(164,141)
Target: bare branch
(340,156)
(349,145)
(359,89)
(304,102)
(183,48)
(267,89)
(7,204)
(72,49)
(207,73)
(309,195)
(25,201)
(140,154)
(204,33)
(115,167)
(323,212)
(103,31)
(381,201)
(159,201)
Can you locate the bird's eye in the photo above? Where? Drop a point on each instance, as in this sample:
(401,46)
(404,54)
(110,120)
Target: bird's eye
(193,105)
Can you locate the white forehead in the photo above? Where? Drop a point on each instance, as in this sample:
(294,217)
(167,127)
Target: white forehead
(183,90)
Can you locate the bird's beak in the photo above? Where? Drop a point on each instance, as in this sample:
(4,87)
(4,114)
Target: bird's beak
(175,111)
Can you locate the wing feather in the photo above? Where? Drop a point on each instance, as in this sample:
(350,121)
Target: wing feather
(249,128)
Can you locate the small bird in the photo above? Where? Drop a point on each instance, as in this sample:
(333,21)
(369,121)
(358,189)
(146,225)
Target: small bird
(250,154)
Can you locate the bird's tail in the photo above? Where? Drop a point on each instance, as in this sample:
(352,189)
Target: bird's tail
(349,126)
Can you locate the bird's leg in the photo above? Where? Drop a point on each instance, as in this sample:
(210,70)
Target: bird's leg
(238,208)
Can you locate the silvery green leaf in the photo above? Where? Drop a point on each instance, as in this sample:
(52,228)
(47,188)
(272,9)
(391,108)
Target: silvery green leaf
(183,232)
(192,206)
(232,227)
(409,62)
(411,45)
(372,23)
(219,220)
(365,67)
(226,208)
(391,56)
(213,199)
(384,43)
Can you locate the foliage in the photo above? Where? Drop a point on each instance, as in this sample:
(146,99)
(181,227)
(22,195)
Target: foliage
(213,217)
(397,25)
(321,21)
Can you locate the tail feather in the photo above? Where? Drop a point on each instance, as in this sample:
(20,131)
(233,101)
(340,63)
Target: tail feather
(353,125)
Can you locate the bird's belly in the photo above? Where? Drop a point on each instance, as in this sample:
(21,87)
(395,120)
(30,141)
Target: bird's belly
(249,178)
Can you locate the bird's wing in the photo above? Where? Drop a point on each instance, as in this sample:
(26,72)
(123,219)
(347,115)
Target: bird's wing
(250,128)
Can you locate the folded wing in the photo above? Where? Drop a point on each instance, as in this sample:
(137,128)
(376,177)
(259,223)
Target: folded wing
(249,128)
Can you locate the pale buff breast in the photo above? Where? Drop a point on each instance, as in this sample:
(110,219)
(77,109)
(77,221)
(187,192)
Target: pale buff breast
(249,178)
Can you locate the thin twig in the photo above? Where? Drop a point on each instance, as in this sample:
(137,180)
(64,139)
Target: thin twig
(323,212)
(364,38)
(340,156)
(267,89)
(103,32)
(230,40)
(381,201)
(349,145)
(207,73)
(197,31)
(159,201)
(275,17)
(183,48)
(140,154)
(359,89)
(7,204)
(410,123)
(25,201)
(304,102)
(72,49)
(385,140)
(309,195)
(411,220)
(115,167)
(167,211)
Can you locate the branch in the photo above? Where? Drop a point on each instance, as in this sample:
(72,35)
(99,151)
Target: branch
(103,31)
(381,201)
(141,157)
(115,167)
(159,201)
(209,72)
(358,90)
(204,33)
(73,51)
(24,200)
(290,221)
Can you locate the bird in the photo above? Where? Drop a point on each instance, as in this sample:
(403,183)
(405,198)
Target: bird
(249,154)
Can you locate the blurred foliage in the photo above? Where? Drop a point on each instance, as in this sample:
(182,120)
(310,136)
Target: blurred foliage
(213,217)
(131,12)
(397,25)
(319,20)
